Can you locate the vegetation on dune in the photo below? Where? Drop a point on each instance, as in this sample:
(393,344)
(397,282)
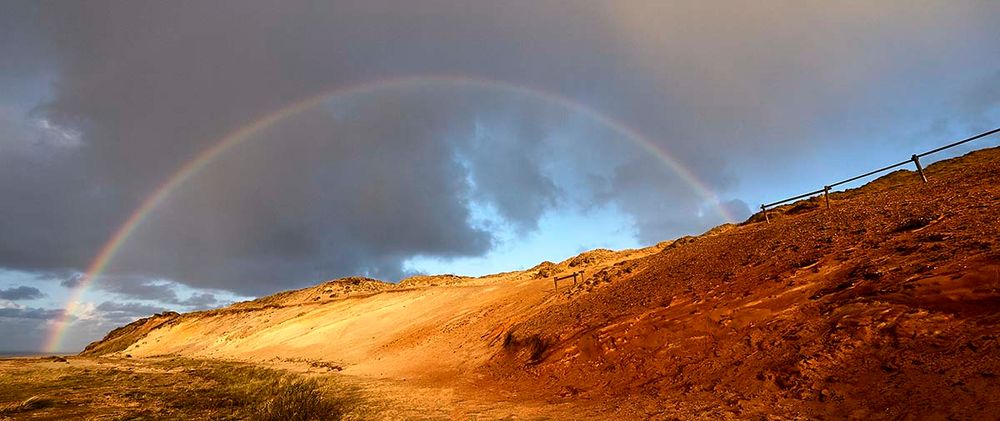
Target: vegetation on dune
(256,393)
(163,389)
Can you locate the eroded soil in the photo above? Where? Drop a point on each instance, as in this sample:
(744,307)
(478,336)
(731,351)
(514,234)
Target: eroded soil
(886,305)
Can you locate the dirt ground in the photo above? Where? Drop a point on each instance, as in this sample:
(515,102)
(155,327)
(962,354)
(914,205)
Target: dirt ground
(102,388)
(886,305)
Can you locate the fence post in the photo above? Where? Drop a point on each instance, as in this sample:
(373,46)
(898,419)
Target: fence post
(916,160)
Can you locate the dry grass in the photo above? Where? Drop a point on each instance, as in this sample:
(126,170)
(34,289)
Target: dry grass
(30,404)
(259,393)
(165,389)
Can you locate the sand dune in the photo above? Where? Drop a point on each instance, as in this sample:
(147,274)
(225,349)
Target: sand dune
(884,306)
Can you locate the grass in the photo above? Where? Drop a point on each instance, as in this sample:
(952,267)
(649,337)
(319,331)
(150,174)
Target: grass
(30,404)
(256,393)
(166,389)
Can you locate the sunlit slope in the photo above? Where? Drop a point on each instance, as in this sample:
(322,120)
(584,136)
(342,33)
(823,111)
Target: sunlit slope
(884,305)
(427,325)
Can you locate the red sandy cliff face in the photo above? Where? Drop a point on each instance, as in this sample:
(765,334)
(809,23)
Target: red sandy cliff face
(886,305)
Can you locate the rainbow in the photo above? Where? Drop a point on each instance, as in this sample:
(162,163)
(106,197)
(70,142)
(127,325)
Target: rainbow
(243,133)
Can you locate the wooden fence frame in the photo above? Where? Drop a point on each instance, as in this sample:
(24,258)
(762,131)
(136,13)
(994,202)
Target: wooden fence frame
(915,159)
(555,280)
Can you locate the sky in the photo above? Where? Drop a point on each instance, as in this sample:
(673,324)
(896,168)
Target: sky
(391,138)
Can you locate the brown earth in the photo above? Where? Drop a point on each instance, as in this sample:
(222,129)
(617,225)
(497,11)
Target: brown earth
(883,306)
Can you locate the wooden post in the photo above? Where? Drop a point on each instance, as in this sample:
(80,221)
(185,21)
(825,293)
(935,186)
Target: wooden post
(826,195)
(556,279)
(916,161)
(766,218)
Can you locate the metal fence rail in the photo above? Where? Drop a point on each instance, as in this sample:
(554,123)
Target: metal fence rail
(915,159)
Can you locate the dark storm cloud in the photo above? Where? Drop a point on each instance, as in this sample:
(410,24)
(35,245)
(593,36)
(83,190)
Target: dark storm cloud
(30,313)
(138,288)
(117,310)
(29,328)
(138,88)
(71,280)
(200,301)
(51,214)
(507,166)
(20,293)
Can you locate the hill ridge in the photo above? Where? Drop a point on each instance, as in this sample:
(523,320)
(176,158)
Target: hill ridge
(894,288)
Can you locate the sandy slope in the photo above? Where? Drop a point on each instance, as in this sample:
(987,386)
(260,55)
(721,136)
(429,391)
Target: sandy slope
(885,305)
(426,328)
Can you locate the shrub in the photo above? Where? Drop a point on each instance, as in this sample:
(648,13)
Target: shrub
(296,400)
(263,394)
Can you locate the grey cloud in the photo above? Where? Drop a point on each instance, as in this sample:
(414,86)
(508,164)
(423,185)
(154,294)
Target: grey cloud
(507,166)
(117,310)
(30,313)
(981,103)
(51,215)
(71,280)
(138,288)
(737,209)
(22,335)
(137,308)
(20,293)
(200,301)
(309,207)
(359,185)
(28,329)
